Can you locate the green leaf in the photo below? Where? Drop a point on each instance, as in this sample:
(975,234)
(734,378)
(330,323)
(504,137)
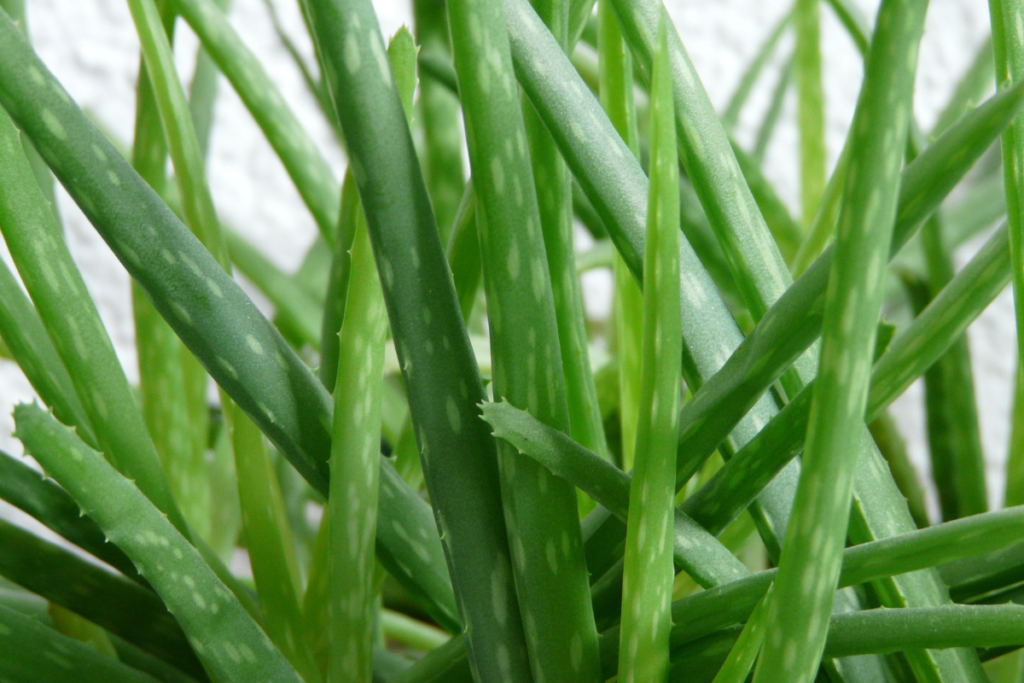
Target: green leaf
(893,448)
(237,345)
(73,323)
(706,612)
(554,201)
(350,221)
(694,550)
(30,347)
(269,542)
(731,115)
(297,311)
(811,559)
(615,75)
(355,447)
(773,113)
(919,628)
(227,639)
(31,651)
(648,571)
(301,158)
(109,600)
(202,92)
(30,492)
(541,511)
(457,453)
(908,356)
(810,105)
(741,658)
(263,519)
(464,253)
(439,111)
(970,89)
(164,365)
(795,320)
(1008,48)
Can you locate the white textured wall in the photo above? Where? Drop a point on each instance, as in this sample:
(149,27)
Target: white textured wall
(91,46)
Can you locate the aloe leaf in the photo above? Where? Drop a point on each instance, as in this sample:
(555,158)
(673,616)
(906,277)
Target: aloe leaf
(315,616)
(27,490)
(73,323)
(269,542)
(893,448)
(741,658)
(854,22)
(224,504)
(464,253)
(694,550)
(795,319)
(165,408)
(458,455)
(402,52)
(161,357)
(953,427)
(784,228)
(263,520)
(868,632)
(773,113)
(704,613)
(297,311)
(942,322)
(591,153)
(412,632)
(580,13)
(554,202)
(971,87)
(30,347)
(221,631)
(981,205)
(355,448)
(202,91)
(973,577)
(810,562)
(16,9)
(314,84)
(109,600)
(301,158)
(926,627)
(707,156)
(197,204)
(648,571)
(615,75)
(820,230)
(731,115)
(73,626)
(531,48)
(439,108)
(313,272)
(541,512)
(31,651)
(810,105)
(143,661)
(351,219)
(1008,48)
(236,344)
(908,356)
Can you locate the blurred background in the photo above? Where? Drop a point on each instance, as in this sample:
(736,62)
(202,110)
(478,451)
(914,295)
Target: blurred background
(90,45)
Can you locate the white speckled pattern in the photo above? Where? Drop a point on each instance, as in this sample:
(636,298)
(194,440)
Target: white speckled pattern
(91,46)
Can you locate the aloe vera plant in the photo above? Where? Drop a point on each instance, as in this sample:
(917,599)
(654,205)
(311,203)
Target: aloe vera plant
(510,489)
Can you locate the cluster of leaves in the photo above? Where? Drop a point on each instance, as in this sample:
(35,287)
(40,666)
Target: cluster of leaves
(699,491)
